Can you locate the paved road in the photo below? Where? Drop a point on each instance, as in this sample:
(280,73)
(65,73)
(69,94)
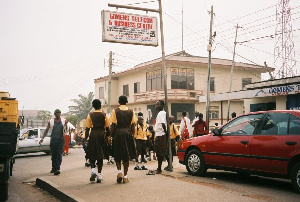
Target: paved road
(174,186)
(22,184)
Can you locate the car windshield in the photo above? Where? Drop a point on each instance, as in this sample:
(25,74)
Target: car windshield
(244,125)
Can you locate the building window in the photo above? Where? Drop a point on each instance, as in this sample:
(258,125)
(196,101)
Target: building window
(154,80)
(212,84)
(246,81)
(101,92)
(137,87)
(213,112)
(126,90)
(182,78)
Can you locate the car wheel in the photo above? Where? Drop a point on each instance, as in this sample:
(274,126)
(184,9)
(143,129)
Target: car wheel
(295,177)
(194,162)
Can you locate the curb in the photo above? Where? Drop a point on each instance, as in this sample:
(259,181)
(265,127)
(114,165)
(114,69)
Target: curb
(51,188)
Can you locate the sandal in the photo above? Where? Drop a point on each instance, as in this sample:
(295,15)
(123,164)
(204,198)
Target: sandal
(151,172)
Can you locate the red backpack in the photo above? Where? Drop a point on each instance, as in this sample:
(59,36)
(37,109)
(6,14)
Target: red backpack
(185,134)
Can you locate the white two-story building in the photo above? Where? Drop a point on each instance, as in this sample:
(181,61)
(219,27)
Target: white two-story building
(186,81)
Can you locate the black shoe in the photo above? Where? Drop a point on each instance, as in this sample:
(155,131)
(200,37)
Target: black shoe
(87,165)
(167,169)
(137,168)
(144,160)
(93,177)
(99,180)
(52,170)
(144,168)
(57,172)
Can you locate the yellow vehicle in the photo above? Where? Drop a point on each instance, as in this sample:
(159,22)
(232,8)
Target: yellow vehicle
(9,130)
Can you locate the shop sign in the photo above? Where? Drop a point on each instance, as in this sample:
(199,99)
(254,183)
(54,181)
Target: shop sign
(129,28)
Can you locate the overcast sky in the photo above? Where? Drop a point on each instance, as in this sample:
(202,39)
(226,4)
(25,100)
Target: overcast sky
(51,50)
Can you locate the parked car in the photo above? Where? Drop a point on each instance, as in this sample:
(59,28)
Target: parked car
(263,143)
(29,141)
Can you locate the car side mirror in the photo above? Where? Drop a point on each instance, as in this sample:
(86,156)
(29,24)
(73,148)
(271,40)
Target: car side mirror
(216,132)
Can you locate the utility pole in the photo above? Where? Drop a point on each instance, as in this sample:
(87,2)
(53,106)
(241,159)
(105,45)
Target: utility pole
(109,82)
(165,86)
(182,27)
(170,167)
(231,74)
(209,47)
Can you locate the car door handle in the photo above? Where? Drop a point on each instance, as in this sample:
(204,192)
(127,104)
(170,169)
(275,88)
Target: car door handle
(244,142)
(291,143)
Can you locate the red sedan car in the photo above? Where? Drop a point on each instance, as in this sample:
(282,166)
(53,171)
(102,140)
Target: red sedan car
(262,143)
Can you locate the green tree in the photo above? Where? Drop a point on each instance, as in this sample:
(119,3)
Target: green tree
(82,106)
(73,119)
(44,115)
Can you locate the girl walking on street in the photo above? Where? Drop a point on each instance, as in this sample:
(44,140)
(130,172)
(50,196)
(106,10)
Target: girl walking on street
(96,123)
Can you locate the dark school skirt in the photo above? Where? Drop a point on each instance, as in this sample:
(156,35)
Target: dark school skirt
(123,145)
(161,145)
(96,149)
(140,147)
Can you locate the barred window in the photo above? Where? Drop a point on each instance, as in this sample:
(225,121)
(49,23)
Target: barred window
(101,92)
(212,84)
(137,87)
(154,80)
(126,90)
(182,78)
(214,112)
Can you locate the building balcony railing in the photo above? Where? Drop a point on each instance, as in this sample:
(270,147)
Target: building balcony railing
(173,94)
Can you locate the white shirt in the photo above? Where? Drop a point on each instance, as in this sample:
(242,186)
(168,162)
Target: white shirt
(161,118)
(188,124)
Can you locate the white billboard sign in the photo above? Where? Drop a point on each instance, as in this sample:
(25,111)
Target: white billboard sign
(129,28)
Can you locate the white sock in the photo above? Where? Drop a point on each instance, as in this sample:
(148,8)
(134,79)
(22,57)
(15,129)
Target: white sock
(93,170)
(99,176)
(119,171)
(125,176)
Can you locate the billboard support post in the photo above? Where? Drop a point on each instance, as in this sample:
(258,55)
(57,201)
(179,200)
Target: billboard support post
(170,167)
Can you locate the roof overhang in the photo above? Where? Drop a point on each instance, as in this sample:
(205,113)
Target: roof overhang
(275,90)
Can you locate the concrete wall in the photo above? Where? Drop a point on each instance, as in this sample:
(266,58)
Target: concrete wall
(220,73)
(281,102)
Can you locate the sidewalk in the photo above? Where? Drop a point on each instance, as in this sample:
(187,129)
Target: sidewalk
(73,183)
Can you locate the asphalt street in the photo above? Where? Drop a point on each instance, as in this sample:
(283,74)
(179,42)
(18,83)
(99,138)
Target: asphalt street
(169,186)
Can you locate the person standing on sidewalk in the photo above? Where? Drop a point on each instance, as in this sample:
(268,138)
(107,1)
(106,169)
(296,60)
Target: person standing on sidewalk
(200,126)
(194,121)
(95,126)
(67,143)
(58,126)
(174,135)
(122,129)
(184,128)
(140,137)
(160,134)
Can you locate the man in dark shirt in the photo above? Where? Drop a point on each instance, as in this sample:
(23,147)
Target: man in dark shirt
(200,126)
